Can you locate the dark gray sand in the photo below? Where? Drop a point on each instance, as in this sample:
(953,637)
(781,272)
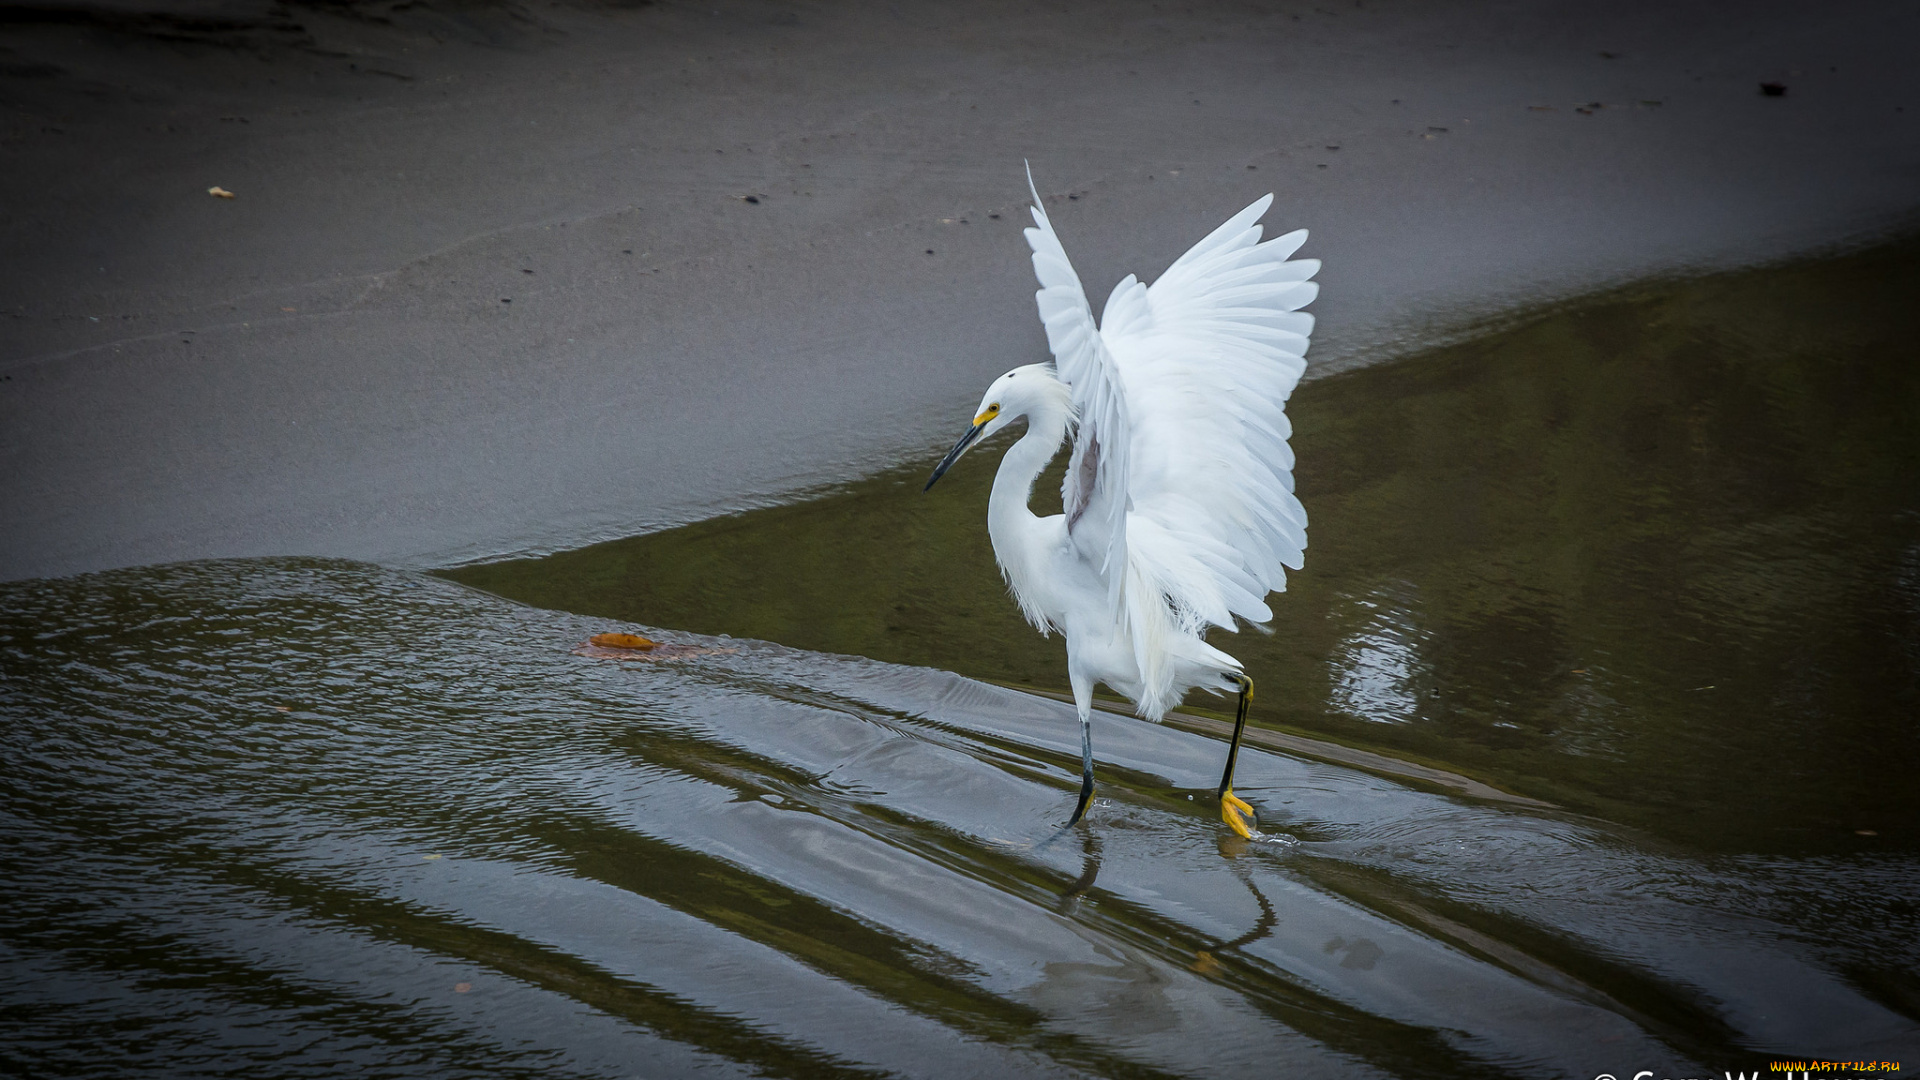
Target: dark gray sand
(506,278)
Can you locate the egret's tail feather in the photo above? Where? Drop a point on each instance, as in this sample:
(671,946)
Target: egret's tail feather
(1169,649)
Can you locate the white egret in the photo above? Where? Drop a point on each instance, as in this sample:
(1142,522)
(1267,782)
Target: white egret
(1180,512)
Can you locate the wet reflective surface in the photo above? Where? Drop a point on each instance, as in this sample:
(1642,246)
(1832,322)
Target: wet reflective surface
(280,818)
(1655,558)
(297,817)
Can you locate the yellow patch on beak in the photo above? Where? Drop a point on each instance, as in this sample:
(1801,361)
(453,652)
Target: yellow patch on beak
(992,411)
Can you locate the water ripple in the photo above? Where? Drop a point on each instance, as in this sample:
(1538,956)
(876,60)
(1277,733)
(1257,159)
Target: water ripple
(280,817)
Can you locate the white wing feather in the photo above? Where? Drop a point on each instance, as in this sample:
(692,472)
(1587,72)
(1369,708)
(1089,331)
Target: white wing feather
(1182,390)
(1096,485)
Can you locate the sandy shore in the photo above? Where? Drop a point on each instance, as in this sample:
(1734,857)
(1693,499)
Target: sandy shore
(503,278)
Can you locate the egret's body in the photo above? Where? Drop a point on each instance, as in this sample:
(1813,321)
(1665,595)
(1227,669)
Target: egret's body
(1179,506)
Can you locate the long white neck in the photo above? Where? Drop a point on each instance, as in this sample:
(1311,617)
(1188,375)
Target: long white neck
(1019,541)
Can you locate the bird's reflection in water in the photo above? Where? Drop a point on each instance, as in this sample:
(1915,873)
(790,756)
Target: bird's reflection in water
(1205,961)
(1130,994)
(1089,870)
(1232,848)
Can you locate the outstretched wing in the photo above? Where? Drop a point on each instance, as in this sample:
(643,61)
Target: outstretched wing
(1095,494)
(1209,355)
(1182,479)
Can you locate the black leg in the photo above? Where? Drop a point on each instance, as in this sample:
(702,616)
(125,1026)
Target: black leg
(1086,797)
(1233,809)
(1086,765)
(1239,726)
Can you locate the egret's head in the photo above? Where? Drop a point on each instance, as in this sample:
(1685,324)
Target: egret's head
(1023,391)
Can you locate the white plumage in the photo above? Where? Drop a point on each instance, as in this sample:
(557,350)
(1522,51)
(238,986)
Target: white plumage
(1180,512)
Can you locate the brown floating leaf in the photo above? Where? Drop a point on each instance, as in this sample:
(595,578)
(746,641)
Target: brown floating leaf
(219,192)
(461,988)
(620,641)
(662,651)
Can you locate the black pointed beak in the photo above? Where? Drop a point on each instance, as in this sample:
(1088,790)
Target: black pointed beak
(953,455)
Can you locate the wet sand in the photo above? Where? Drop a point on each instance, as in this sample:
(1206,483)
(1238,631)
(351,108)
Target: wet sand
(492,283)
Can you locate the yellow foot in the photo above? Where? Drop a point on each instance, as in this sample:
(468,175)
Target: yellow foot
(1237,814)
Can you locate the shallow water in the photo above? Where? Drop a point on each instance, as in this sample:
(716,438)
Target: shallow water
(1655,557)
(300,817)
(287,817)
